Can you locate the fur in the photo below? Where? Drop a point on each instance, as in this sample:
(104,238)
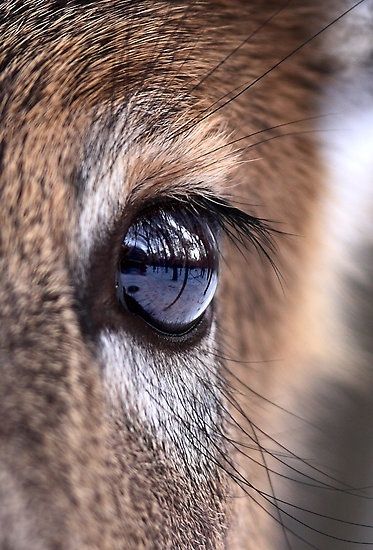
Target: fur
(111,436)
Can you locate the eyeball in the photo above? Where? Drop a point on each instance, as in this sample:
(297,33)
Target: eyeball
(168,268)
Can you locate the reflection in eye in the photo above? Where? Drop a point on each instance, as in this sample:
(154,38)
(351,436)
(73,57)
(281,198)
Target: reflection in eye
(168,269)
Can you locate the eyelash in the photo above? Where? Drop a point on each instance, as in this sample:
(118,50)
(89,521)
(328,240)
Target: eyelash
(243,230)
(240,227)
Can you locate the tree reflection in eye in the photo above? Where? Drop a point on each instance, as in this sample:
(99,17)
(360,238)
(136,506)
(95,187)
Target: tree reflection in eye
(168,268)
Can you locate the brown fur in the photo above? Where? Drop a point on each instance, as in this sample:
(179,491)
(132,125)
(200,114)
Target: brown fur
(76,469)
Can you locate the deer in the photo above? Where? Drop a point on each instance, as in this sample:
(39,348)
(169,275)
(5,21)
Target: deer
(185,274)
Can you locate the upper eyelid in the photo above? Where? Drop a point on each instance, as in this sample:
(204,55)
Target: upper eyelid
(242,228)
(120,170)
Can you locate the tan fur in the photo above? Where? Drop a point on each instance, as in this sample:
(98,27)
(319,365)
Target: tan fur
(92,100)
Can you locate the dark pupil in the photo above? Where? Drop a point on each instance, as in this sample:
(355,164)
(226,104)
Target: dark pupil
(168,269)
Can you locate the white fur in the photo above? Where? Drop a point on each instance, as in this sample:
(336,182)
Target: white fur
(346,217)
(164,392)
(349,209)
(166,396)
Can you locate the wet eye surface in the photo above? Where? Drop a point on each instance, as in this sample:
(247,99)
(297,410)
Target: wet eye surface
(168,268)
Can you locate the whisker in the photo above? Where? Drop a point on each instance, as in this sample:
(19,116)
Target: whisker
(290,134)
(262,131)
(237,476)
(251,84)
(237,48)
(229,397)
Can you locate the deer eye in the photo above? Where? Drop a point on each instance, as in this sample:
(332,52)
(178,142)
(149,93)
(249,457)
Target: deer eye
(168,268)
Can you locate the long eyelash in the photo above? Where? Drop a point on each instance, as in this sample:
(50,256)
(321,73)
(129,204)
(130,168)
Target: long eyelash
(240,227)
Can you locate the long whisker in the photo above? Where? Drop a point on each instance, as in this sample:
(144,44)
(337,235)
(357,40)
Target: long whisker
(248,86)
(237,48)
(229,397)
(237,476)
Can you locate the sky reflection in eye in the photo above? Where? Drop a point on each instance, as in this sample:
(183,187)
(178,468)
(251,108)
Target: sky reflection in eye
(168,270)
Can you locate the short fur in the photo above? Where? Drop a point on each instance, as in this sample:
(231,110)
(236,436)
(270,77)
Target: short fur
(110,437)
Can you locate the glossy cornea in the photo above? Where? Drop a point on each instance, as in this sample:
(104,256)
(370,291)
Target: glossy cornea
(168,268)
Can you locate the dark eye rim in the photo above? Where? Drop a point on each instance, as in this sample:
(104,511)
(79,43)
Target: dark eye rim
(163,333)
(147,335)
(96,302)
(99,311)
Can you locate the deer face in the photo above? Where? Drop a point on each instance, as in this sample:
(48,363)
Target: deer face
(140,166)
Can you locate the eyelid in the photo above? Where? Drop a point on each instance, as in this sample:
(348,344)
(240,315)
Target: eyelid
(243,230)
